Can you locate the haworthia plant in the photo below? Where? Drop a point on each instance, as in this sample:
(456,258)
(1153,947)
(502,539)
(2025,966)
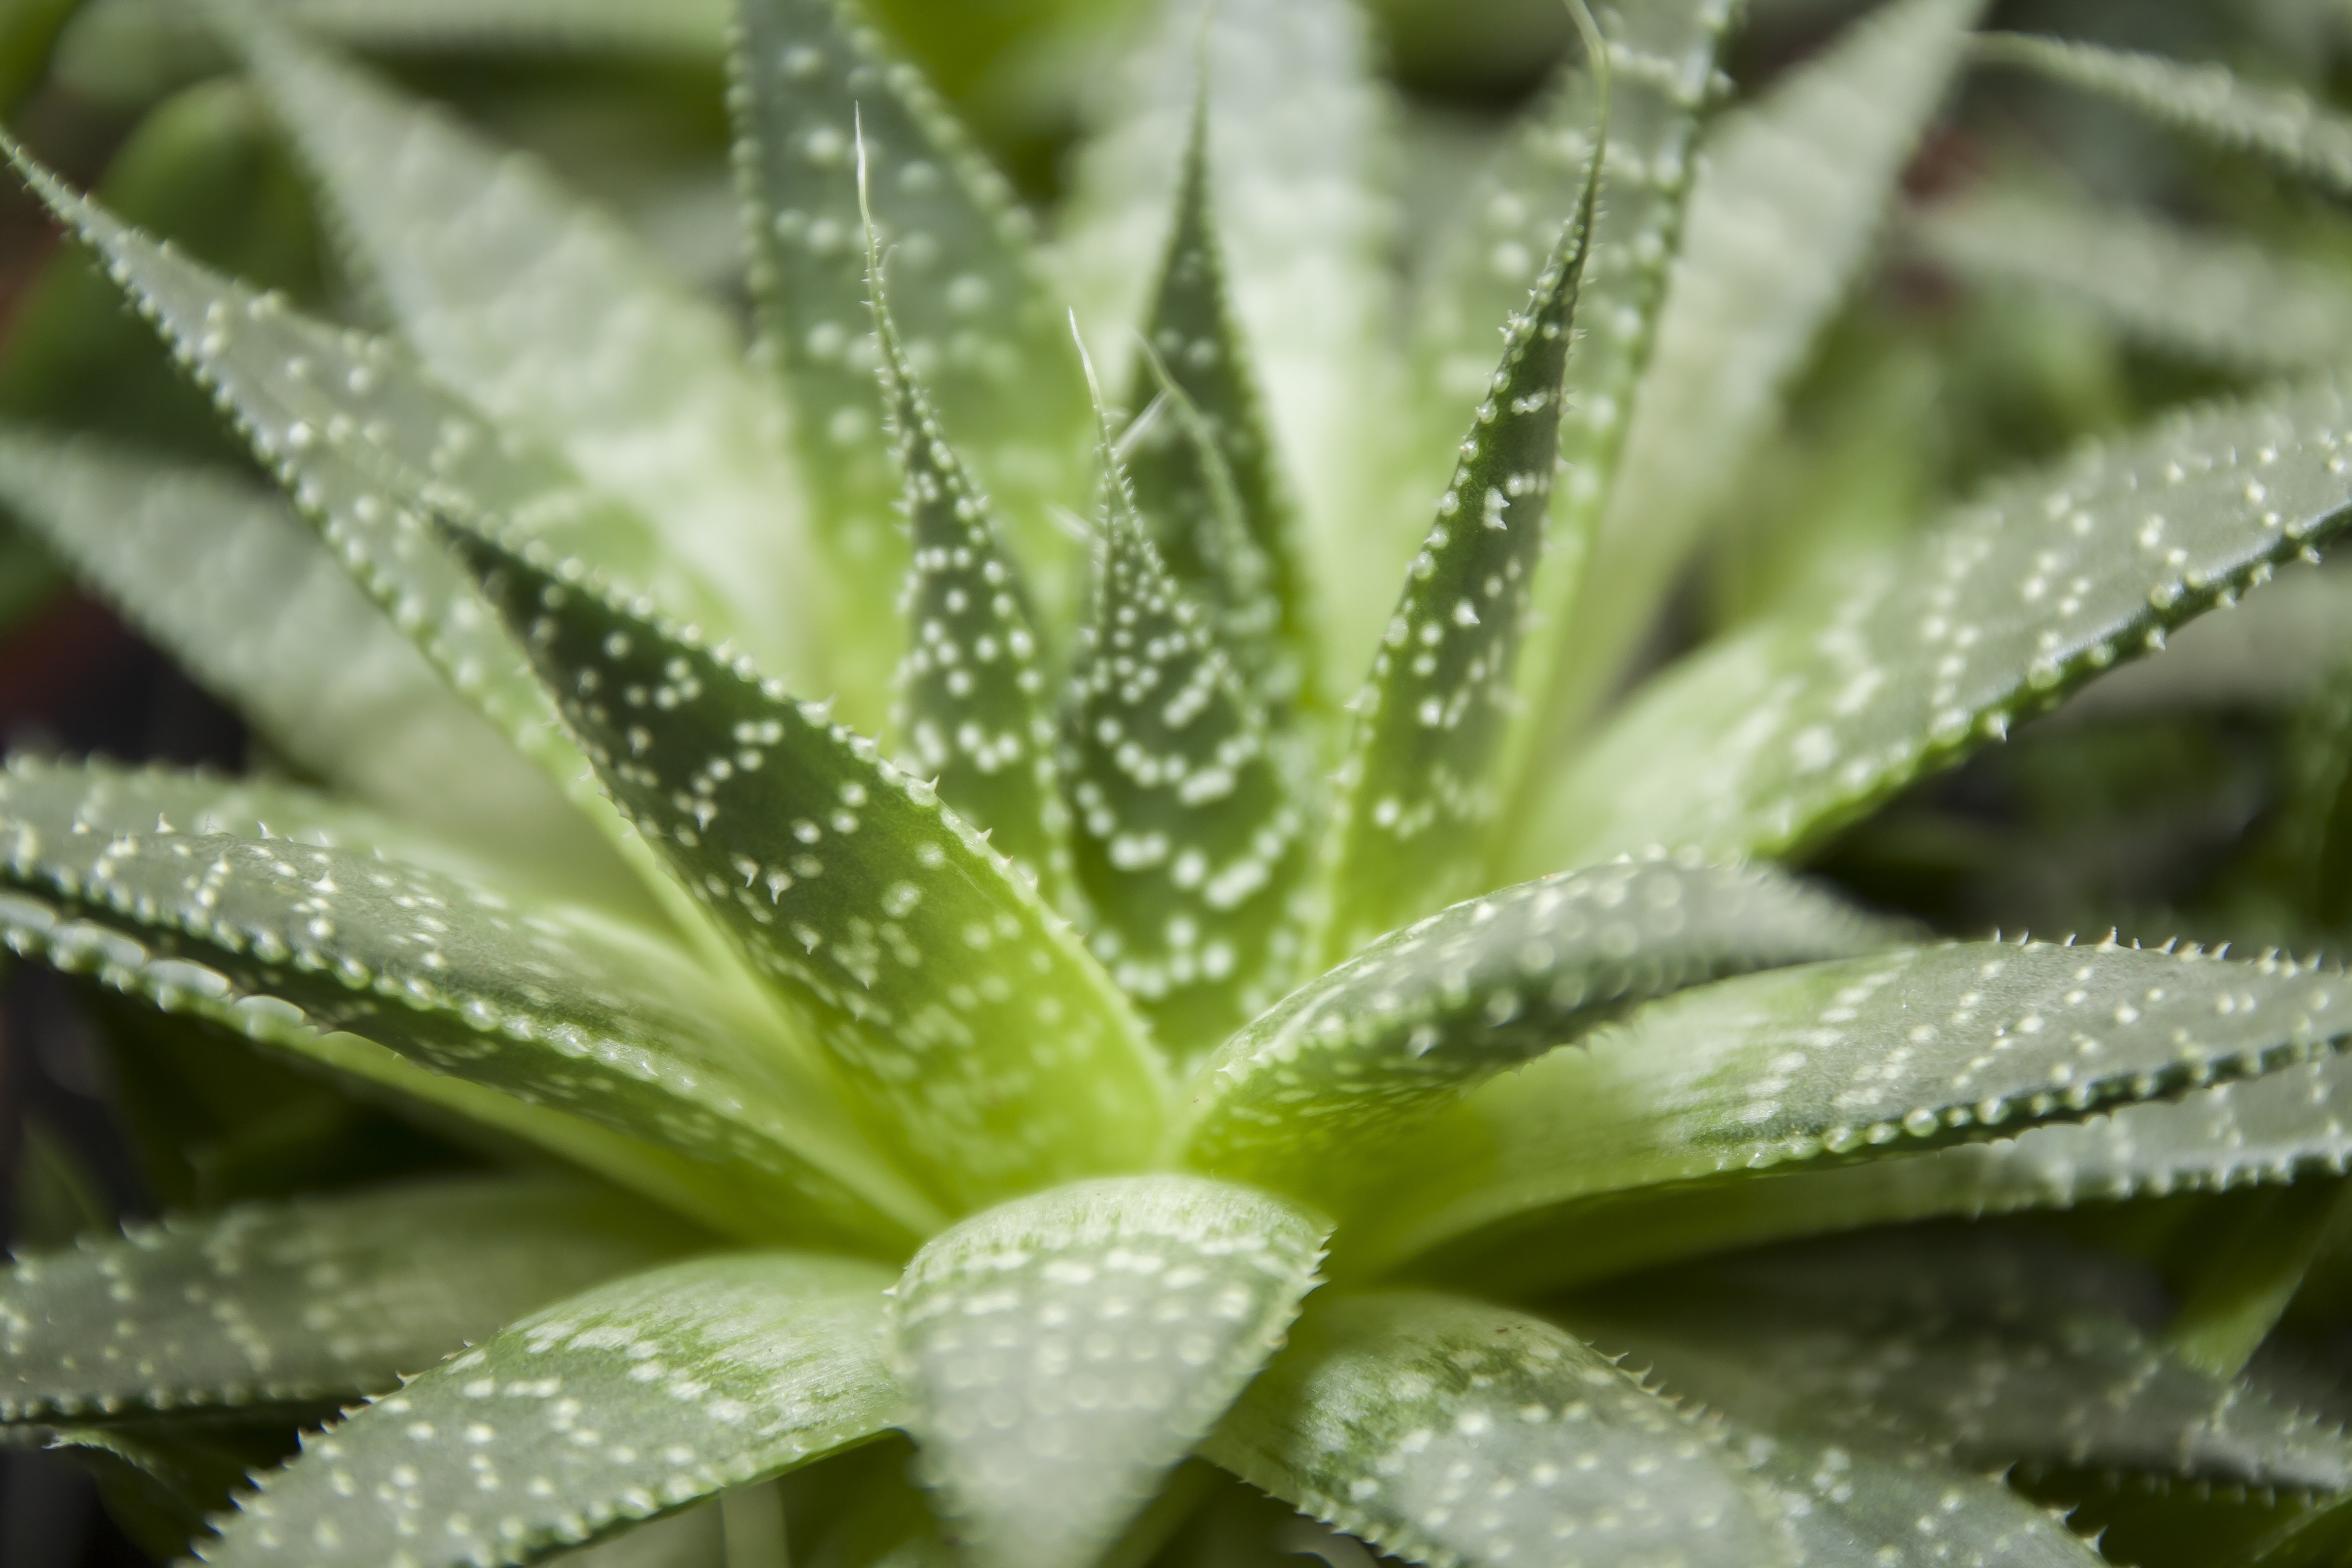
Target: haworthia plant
(860,852)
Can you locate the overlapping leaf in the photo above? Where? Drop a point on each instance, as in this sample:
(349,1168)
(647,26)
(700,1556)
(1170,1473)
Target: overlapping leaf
(932,972)
(1421,1016)
(1062,1352)
(1445,1430)
(1776,734)
(325,1299)
(627,1401)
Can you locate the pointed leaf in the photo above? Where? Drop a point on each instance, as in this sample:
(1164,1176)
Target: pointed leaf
(814,83)
(1206,479)
(2277,121)
(323,1298)
(1416,799)
(1770,738)
(1063,1352)
(1445,1430)
(282,938)
(631,1399)
(556,323)
(2245,1285)
(1417,1019)
(243,593)
(932,973)
(1788,195)
(1858,1058)
(972,705)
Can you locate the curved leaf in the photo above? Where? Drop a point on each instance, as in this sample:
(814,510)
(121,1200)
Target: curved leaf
(1767,740)
(323,1298)
(930,972)
(1445,1430)
(1423,1015)
(1063,1352)
(632,1399)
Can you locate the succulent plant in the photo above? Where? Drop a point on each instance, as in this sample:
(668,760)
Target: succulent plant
(954,895)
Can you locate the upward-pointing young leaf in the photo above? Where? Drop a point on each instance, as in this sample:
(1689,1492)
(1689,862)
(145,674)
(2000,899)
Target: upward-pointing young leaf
(627,1401)
(1112,1322)
(2277,121)
(932,973)
(325,1299)
(1190,843)
(1415,797)
(813,83)
(1443,1430)
(1418,1018)
(1765,742)
(550,319)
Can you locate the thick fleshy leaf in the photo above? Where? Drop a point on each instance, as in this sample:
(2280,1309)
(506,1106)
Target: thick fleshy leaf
(1443,1430)
(1788,197)
(1416,799)
(2223,300)
(1062,1352)
(932,972)
(1205,474)
(1856,1059)
(243,593)
(324,1298)
(1771,737)
(549,1006)
(687,28)
(628,1400)
(554,322)
(1420,1018)
(816,83)
(2278,122)
(2243,1286)
(973,709)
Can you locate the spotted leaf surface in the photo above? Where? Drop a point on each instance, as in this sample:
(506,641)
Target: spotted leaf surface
(628,1400)
(1423,1015)
(1206,475)
(813,82)
(1415,795)
(548,1005)
(554,321)
(1062,1352)
(241,591)
(2277,121)
(973,712)
(1790,192)
(1771,737)
(1189,841)
(930,972)
(1862,1058)
(1443,1430)
(319,1299)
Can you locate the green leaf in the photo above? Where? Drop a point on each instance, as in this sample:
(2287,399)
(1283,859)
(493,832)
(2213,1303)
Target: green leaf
(1415,795)
(1419,1018)
(1445,1430)
(689,28)
(2239,1292)
(279,939)
(2277,122)
(1859,1058)
(886,923)
(1062,1352)
(697,1538)
(243,593)
(973,709)
(629,1400)
(813,82)
(1766,741)
(556,323)
(323,1298)
(2218,300)
(1206,478)
(1190,844)
(159,1481)
(1788,195)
